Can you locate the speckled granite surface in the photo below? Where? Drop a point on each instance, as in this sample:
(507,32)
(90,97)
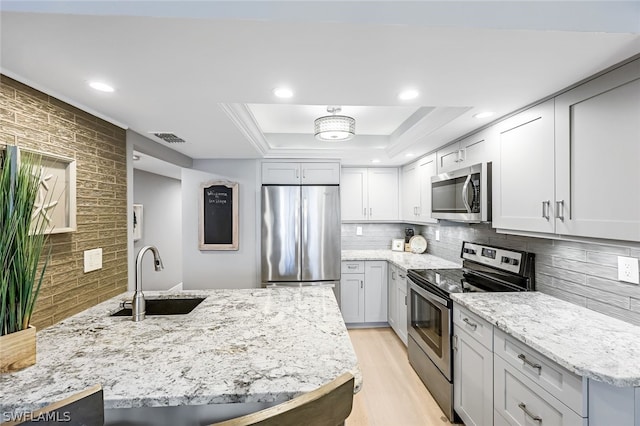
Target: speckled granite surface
(585,342)
(253,345)
(404,260)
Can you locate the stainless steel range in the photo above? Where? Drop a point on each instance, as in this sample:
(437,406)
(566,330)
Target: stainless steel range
(430,322)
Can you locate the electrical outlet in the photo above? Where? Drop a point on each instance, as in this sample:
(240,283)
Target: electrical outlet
(359,230)
(437,235)
(628,270)
(92,260)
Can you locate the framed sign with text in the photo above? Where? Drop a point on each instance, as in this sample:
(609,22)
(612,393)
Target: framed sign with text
(218,216)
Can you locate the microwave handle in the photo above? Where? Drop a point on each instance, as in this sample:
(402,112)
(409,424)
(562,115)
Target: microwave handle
(465,191)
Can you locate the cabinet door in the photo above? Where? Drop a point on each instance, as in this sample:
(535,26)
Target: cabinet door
(320,173)
(474,150)
(375,291)
(426,170)
(392,307)
(352,297)
(472,380)
(401,301)
(281,173)
(383,194)
(353,194)
(410,192)
(523,191)
(448,158)
(597,157)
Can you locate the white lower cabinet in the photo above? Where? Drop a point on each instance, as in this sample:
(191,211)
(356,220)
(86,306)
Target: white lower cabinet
(363,291)
(397,306)
(522,402)
(472,369)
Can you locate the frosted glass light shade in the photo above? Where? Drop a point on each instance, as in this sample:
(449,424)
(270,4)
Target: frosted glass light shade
(335,128)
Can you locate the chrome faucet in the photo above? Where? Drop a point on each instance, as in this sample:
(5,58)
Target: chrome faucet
(138,308)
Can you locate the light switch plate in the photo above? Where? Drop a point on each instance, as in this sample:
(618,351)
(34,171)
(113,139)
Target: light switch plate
(358,230)
(92,260)
(437,235)
(628,270)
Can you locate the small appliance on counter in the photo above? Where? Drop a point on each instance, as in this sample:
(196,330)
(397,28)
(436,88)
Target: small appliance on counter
(408,233)
(397,244)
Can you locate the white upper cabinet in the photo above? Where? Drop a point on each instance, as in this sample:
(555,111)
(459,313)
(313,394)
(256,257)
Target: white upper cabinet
(467,152)
(570,165)
(416,190)
(369,194)
(523,172)
(598,157)
(292,173)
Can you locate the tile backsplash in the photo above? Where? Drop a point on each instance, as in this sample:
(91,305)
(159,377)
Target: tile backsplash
(581,273)
(34,120)
(375,236)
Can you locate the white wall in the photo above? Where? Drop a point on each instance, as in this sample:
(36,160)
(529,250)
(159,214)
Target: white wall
(221,269)
(161,227)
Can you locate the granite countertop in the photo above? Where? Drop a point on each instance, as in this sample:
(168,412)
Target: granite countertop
(248,345)
(588,343)
(404,260)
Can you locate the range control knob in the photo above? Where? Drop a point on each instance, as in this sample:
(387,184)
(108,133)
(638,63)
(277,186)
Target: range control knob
(469,251)
(514,262)
(504,259)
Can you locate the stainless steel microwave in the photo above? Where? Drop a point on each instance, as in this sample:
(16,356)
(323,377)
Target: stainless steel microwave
(463,195)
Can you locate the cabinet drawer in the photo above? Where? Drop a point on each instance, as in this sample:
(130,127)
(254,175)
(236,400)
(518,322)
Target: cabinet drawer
(355,267)
(522,402)
(477,328)
(558,381)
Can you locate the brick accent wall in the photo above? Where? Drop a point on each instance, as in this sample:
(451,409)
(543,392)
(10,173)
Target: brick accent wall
(34,120)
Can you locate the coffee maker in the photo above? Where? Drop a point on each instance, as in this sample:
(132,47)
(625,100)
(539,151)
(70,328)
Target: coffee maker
(408,233)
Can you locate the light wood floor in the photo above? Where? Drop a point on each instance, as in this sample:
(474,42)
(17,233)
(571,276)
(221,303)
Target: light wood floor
(392,393)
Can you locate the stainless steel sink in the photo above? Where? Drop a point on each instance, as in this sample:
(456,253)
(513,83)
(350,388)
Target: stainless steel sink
(164,307)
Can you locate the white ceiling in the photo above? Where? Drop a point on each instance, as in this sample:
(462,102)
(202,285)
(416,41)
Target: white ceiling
(205,70)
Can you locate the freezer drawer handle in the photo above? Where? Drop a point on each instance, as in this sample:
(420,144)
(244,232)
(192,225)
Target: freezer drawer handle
(352,266)
(470,324)
(529,363)
(535,418)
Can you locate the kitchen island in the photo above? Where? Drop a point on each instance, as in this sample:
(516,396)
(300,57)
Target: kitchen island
(236,352)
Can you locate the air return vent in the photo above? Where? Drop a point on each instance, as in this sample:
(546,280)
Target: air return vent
(169,137)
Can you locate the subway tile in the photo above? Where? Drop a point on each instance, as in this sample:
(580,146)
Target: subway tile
(603,258)
(576,299)
(591,293)
(586,268)
(613,311)
(593,247)
(635,305)
(562,274)
(619,287)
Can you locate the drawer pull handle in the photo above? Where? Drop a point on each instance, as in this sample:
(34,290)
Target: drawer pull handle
(535,418)
(529,363)
(352,266)
(470,324)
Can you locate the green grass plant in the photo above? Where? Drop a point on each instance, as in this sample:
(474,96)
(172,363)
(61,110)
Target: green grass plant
(22,239)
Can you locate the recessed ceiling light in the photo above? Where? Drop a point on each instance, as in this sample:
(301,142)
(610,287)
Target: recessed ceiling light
(484,114)
(136,157)
(283,92)
(407,95)
(375,160)
(103,87)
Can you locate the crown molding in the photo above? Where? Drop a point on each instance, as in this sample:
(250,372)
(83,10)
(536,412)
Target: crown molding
(244,120)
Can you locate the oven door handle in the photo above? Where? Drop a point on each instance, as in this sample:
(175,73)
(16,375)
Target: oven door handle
(427,295)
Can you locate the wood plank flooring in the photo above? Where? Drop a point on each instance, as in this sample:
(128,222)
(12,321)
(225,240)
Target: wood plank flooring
(392,393)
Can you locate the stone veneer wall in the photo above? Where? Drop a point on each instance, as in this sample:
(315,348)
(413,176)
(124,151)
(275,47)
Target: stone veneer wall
(32,119)
(581,273)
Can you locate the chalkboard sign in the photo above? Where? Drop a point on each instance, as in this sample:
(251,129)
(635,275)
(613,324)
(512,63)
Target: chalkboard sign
(219,216)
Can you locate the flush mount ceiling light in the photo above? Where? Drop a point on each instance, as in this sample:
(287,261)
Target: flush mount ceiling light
(334,127)
(100,86)
(407,95)
(484,114)
(283,92)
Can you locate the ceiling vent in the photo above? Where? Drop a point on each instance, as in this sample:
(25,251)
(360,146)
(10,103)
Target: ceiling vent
(169,137)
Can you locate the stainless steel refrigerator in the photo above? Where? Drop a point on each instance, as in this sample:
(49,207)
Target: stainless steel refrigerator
(301,236)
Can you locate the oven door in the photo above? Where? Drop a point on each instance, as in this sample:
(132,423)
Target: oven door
(430,326)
